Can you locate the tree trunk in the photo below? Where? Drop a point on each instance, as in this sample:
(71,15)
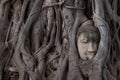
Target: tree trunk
(40,39)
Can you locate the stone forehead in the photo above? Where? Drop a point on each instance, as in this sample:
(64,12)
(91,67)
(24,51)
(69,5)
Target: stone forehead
(87,27)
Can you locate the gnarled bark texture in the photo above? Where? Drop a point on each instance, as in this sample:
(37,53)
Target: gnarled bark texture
(38,39)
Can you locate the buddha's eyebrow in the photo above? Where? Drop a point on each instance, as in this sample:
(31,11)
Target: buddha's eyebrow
(83,37)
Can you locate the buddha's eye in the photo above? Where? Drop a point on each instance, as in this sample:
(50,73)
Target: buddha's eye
(84,40)
(96,40)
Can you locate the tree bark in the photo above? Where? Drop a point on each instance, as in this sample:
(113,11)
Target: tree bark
(38,39)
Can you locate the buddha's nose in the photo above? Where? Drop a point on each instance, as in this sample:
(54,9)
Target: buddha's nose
(92,48)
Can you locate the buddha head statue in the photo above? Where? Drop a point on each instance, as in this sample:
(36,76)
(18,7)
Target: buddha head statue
(88,38)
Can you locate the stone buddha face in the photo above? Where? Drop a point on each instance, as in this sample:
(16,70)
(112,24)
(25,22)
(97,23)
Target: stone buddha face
(88,38)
